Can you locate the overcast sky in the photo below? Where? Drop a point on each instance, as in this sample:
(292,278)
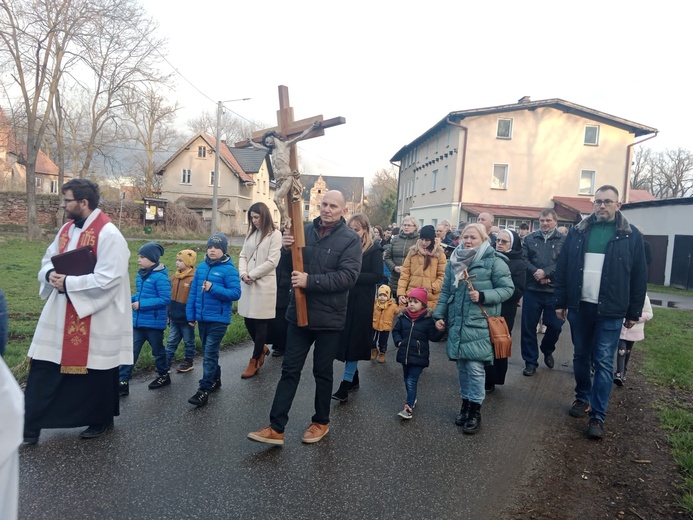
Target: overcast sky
(395,68)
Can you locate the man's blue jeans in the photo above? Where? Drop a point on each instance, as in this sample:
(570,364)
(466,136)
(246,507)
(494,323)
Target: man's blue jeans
(155,337)
(211,334)
(472,376)
(298,343)
(595,340)
(178,330)
(411,380)
(533,304)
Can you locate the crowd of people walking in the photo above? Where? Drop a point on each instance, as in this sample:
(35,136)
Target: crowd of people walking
(364,288)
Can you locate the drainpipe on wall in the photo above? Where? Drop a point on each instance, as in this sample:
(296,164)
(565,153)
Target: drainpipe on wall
(464,156)
(629,149)
(399,172)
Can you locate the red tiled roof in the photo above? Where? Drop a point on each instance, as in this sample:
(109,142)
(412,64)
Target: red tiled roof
(46,166)
(503,211)
(579,204)
(230,159)
(640,196)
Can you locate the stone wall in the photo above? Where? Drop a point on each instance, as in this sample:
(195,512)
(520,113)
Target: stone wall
(13,210)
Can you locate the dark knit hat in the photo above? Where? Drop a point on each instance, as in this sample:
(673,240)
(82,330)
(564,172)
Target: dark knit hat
(151,251)
(420,293)
(219,241)
(428,232)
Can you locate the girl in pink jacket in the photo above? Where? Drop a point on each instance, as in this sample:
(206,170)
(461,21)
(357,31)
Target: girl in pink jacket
(628,338)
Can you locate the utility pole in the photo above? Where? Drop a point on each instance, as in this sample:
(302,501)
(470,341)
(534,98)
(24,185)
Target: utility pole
(217,151)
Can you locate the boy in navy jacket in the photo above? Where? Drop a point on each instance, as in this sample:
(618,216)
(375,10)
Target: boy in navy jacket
(149,304)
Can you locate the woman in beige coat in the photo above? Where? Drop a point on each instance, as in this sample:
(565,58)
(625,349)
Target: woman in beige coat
(256,266)
(423,267)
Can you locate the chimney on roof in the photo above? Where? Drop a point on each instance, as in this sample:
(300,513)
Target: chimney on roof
(524,99)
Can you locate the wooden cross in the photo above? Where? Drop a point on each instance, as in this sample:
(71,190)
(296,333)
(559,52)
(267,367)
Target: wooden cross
(288,128)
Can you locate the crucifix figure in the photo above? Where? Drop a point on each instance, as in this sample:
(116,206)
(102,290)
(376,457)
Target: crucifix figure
(281,142)
(287,179)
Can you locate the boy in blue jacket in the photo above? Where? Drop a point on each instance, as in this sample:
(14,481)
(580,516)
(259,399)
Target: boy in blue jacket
(214,289)
(413,329)
(149,316)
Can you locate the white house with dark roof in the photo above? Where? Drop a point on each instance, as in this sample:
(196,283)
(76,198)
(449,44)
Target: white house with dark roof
(245,178)
(513,160)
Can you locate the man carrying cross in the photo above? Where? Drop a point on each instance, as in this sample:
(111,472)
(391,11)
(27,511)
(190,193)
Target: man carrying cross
(332,262)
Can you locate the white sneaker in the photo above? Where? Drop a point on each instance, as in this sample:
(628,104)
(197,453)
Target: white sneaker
(407,413)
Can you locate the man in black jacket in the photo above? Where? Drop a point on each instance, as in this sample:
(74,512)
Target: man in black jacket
(541,250)
(332,262)
(600,281)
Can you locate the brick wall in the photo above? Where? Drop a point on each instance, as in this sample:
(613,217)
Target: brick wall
(13,210)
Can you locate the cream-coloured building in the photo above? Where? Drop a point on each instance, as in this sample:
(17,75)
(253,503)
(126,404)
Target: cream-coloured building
(512,160)
(245,177)
(315,187)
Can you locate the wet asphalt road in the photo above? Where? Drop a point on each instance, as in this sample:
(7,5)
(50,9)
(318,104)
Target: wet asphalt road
(167,459)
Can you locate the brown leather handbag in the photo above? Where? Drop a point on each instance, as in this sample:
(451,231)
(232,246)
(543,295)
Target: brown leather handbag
(497,328)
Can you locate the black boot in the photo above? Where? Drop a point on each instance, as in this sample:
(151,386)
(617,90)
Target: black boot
(464,413)
(343,393)
(473,422)
(355,383)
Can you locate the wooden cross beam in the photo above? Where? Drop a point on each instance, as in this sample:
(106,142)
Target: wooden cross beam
(288,128)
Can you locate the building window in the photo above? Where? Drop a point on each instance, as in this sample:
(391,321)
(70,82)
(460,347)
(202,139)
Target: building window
(264,187)
(592,135)
(500,177)
(505,128)
(306,207)
(211,178)
(587,182)
(38,181)
(185,177)
(444,180)
(434,222)
(54,186)
(421,223)
(423,186)
(201,152)
(447,138)
(434,180)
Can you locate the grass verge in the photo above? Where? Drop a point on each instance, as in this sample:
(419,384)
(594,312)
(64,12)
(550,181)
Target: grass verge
(666,289)
(20,264)
(668,361)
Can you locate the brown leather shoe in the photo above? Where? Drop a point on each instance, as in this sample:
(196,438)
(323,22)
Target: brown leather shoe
(251,369)
(315,432)
(374,353)
(381,357)
(268,435)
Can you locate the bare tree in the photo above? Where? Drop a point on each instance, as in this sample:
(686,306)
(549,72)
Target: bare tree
(667,174)
(233,128)
(151,125)
(36,35)
(120,51)
(641,171)
(382,197)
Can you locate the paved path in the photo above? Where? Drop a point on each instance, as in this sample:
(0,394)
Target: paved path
(167,459)
(671,301)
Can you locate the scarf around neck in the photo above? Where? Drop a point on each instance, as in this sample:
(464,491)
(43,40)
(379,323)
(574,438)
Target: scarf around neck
(462,258)
(415,315)
(182,274)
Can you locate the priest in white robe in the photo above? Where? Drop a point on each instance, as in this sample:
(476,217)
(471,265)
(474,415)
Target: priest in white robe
(85,330)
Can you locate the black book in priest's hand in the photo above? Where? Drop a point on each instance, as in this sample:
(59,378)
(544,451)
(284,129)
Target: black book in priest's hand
(77,262)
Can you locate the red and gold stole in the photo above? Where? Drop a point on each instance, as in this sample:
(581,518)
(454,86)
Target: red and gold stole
(76,331)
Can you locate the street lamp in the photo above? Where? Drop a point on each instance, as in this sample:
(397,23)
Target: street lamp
(215,188)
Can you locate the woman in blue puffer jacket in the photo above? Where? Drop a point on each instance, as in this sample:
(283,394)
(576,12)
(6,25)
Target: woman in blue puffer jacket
(469,343)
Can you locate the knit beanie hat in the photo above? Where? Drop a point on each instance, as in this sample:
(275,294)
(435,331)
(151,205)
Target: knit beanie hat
(427,232)
(188,256)
(219,241)
(384,289)
(420,293)
(152,251)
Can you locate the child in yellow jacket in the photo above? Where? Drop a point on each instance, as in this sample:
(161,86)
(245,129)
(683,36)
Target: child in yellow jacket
(384,310)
